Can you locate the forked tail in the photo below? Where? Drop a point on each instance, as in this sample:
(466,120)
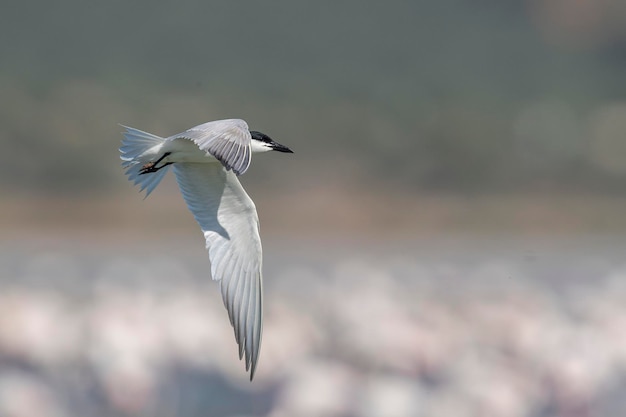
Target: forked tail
(139,148)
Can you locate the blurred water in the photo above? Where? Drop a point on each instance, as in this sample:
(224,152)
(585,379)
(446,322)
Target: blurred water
(445,327)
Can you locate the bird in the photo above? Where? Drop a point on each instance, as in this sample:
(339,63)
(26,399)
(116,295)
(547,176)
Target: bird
(207,160)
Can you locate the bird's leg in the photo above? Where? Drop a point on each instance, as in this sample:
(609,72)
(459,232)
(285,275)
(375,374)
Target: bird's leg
(151,166)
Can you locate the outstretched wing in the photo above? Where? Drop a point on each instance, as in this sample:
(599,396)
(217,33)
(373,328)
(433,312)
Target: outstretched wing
(229,220)
(227,140)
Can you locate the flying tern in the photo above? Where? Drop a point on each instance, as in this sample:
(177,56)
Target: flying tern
(207,159)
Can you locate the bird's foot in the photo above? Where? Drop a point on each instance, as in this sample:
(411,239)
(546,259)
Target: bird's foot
(149,167)
(152,166)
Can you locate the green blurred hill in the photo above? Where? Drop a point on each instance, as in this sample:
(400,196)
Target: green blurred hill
(442,96)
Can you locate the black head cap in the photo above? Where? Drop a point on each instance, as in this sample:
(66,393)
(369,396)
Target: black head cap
(260,136)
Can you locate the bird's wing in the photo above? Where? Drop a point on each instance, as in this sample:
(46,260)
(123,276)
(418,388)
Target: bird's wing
(230,224)
(227,140)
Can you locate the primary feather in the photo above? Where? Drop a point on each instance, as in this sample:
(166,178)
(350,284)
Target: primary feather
(229,221)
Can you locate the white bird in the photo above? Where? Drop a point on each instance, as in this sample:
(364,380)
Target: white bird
(207,160)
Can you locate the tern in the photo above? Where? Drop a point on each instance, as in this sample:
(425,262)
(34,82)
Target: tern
(207,159)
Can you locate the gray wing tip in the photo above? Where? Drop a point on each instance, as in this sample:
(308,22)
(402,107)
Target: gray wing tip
(249,354)
(252,372)
(252,358)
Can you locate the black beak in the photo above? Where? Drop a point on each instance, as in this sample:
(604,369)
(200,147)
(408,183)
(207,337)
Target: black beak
(280,148)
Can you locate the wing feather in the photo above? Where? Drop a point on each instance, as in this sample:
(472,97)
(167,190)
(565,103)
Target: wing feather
(228,219)
(227,140)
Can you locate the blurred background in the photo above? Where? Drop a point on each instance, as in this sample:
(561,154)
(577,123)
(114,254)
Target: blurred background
(448,239)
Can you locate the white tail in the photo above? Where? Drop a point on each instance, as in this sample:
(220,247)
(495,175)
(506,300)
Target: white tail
(138,148)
